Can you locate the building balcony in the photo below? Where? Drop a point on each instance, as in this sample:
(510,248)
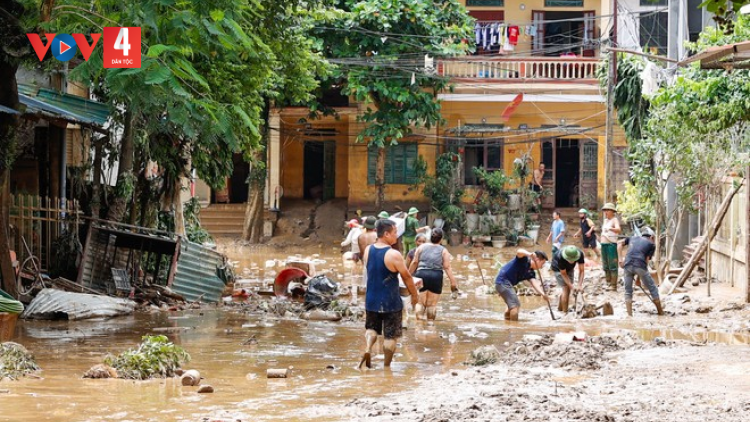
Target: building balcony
(520,69)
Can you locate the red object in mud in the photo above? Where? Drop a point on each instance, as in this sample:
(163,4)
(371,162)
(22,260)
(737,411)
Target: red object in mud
(285,277)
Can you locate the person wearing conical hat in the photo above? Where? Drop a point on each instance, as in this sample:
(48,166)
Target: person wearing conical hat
(411,229)
(563,266)
(610,231)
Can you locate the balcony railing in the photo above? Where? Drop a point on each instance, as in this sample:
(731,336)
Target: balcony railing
(520,69)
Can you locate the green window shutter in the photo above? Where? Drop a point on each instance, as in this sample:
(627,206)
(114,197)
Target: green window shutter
(397,164)
(411,159)
(372,161)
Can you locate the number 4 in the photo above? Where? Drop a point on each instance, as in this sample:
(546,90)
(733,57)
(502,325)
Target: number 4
(121,43)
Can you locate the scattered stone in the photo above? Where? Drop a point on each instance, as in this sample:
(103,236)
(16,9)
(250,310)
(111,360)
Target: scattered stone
(330,366)
(191,378)
(205,389)
(101,371)
(696,282)
(659,341)
(704,309)
(483,356)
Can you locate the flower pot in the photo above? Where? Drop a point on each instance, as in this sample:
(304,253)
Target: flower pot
(514,201)
(498,244)
(518,224)
(472,221)
(533,232)
(455,238)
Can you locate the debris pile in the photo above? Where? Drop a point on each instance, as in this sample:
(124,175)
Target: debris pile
(155,357)
(483,356)
(16,361)
(585,355)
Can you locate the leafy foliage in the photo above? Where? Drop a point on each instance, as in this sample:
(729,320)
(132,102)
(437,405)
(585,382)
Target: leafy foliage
(444,192)
(632,204)
(632,108)
(15,361)
(493,184)
(723,15)
(155,357)
(195,233)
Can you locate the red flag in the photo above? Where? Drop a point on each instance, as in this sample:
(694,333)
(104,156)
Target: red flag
(511,108)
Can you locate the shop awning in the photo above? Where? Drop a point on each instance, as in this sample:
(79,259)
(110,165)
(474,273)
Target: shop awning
(730,56)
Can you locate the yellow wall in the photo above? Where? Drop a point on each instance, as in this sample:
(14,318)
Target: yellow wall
(515,16)
(363,195)
(292,151)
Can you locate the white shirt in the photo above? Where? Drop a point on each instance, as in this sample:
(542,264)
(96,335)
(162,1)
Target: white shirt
(351,239)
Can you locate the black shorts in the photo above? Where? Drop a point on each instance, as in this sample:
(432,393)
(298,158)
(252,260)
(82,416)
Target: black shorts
(589,242)
(535,188)
(432,280)
(386,323)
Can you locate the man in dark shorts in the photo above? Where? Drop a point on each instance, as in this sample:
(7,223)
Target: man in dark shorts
(640,250)
(563,266)
(383,304)
(587,231)
(520,268)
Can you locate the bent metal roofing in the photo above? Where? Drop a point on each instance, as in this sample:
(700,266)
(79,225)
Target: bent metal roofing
(71,108)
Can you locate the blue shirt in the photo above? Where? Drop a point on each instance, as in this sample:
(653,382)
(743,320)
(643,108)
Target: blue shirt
(558,226)
(514,272)
(382,284)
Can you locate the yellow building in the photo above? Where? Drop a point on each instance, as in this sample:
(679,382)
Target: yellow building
(544,52)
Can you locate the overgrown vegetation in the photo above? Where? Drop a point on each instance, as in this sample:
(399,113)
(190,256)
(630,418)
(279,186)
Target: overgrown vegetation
(16,361)
(193,229)
(442,189)
(155,357)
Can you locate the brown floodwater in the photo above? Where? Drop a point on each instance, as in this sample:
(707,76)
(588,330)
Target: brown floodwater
(322,354)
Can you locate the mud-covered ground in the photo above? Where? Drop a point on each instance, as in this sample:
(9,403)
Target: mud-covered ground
(645,382)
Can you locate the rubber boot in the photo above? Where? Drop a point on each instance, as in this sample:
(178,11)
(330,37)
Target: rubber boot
(389,348)
(659,309)
(612,279)
(629,307)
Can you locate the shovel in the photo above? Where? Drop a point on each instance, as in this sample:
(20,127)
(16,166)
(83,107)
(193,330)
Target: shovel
(549,305)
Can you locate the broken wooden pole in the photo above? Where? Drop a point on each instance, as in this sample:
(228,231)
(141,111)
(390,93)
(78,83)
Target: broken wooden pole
(708,237)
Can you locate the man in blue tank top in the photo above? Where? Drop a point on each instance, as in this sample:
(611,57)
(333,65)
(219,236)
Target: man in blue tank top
(517,270)
(383,303)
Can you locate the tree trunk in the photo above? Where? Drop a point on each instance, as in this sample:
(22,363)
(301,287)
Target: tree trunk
(380,178)
(179,218)
(124,188)
(252,230)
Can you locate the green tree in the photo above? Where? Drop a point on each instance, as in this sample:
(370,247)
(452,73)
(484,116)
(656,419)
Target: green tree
(380,47)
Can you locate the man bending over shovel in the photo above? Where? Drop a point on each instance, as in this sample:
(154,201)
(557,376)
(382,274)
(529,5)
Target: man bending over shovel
(383,304)
(640,251)
(563,266)
(520,268)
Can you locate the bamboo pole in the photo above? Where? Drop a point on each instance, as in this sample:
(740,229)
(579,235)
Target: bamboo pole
(708,237)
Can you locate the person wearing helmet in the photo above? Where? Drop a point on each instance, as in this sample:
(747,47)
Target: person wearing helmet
(563,266)
(587,231)
(640,250)
(610,230)
(411,229)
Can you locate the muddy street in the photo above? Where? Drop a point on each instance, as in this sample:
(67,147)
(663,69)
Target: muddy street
(233,346)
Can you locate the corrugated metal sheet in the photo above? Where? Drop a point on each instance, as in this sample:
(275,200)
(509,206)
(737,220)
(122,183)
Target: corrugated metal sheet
(62,106)
(53,304)
(196,273)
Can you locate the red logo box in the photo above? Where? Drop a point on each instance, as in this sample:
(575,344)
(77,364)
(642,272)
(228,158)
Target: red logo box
(122,47)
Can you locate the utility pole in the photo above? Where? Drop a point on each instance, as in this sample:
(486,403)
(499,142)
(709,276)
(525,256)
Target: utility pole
(611,81)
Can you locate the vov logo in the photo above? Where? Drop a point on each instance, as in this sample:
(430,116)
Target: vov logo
(122,46)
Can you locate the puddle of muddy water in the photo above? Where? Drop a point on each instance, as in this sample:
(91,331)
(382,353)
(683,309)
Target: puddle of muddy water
(214,338)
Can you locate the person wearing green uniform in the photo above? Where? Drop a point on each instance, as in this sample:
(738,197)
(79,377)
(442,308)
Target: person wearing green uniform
(411,229)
